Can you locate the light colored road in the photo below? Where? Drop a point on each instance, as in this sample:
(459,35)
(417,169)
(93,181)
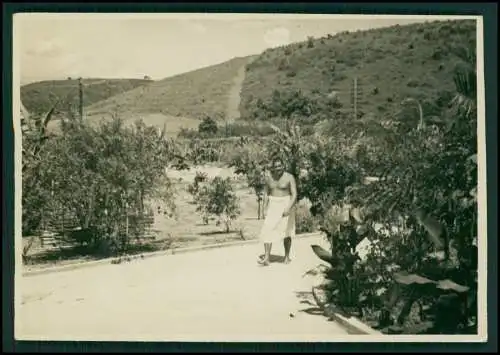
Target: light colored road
(213,295)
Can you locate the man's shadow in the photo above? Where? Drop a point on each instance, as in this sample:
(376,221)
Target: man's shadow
(274,258)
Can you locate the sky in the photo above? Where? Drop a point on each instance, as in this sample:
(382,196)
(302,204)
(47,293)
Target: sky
(57,46)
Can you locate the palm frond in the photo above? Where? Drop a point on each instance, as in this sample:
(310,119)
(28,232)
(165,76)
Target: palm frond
(47,118)
(465,80)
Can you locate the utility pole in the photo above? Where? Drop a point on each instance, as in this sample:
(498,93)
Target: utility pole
(80,92)
(355,98)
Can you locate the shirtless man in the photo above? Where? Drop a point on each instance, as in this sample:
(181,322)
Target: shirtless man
(280,196)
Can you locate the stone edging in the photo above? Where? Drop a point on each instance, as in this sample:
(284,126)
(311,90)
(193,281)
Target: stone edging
(150,254)
(352,324)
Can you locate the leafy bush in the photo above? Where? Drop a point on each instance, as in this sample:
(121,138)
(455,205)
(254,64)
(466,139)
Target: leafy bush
(201,151)
(194,188)
(427,187)
(35,192)
(207,126)
(233,129)
(250,162)
(286,104)
(218,198)
(101,176)
(304,220)
(310,42)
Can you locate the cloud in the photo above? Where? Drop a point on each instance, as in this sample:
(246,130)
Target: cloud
(277,37)
(45,48)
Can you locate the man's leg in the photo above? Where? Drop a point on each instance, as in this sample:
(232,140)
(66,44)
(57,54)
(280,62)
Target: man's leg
(287,242)
(267,254)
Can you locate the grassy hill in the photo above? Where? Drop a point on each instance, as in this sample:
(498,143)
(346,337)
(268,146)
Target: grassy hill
(390,64)
(212,91)
(40,96)
(314,78)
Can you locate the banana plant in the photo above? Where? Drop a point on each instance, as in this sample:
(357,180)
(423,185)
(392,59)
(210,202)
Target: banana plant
(465,80)
(36,130)
(341,227)
(289,144)
(450,301)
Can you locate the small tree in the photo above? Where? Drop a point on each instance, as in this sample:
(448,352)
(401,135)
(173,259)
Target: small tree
(208,126)
(310,42)
(249,162)
(218,198)
(194,188)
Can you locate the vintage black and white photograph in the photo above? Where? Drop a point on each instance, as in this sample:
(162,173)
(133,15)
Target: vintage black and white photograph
(249,177)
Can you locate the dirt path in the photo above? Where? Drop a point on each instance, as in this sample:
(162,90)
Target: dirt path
(233,102)
(214,295)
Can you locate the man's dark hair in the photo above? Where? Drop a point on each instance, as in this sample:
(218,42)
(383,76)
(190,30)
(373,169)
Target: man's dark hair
(277,159)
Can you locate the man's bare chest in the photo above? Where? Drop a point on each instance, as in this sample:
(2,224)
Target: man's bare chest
(282,183)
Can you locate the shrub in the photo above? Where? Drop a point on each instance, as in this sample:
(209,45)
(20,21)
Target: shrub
(250,162)
(101,175)
(412,83)
(429,211)
(194,188)
(219,199)
(437,54)
(201,151)
(208,126)
(283,64)
(305,222)
(310,42)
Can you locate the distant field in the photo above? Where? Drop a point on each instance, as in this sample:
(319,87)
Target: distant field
(173,124)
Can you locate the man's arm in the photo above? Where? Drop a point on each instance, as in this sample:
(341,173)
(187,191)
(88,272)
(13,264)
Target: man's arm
(265,197)
(293,193)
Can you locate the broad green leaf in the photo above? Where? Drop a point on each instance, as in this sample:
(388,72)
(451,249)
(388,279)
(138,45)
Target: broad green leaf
(432,226)
(408,279)
(322,253)
(450,285)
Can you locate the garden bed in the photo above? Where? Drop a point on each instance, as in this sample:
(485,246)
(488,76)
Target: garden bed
(372,320)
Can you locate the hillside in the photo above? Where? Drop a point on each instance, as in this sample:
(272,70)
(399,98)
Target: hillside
(212,91)
(390,64)
(40,96)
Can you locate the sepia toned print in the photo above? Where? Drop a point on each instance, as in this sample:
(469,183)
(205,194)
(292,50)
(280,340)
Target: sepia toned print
(238,177)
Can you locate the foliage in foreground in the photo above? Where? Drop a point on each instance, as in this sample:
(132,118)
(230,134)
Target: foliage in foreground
(100,176)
